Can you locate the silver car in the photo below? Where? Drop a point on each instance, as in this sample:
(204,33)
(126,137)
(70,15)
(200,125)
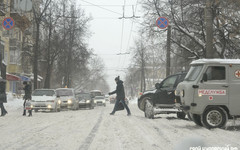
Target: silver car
(68,98)
(45,99)
(99,101)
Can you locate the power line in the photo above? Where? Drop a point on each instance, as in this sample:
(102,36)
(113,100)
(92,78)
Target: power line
(129,39)
(119,59)
(99,6)
(108,5)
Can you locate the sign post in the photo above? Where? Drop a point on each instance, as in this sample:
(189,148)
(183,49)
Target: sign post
(162,23)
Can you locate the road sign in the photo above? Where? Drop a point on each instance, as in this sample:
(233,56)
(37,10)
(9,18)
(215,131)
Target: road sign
(162,22)
(8,23)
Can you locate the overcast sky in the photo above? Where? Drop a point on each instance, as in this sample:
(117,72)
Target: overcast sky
(112,35)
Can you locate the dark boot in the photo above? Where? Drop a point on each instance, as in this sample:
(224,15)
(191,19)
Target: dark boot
(30,113)
(24,112)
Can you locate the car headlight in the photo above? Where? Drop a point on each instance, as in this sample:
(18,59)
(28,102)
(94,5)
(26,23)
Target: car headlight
(59,102)
(69,101)
(177,92)
(88,101)
(49,106)
(182,93)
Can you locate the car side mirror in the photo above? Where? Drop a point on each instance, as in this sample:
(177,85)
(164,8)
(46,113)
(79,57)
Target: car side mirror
(204,78)
(157,86)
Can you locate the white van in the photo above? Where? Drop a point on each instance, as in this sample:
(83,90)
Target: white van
(210,91)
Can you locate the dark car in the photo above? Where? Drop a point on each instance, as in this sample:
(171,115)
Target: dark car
(85,100)
(162,100)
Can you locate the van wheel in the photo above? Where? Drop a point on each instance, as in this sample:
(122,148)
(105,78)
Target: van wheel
(148,111)
(196,119)
(214,117)
(181,115)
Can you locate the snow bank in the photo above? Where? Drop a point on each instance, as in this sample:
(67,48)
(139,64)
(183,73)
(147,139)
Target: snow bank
(13,103)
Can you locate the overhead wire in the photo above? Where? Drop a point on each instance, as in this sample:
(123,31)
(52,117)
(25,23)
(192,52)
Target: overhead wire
(121,43)
(130,35)
(99,6)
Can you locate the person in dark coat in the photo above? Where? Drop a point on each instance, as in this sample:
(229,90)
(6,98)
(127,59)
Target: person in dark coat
(120,96)
(27,97)
(3,97)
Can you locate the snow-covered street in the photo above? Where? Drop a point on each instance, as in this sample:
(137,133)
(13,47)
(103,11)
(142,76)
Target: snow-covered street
(96,129)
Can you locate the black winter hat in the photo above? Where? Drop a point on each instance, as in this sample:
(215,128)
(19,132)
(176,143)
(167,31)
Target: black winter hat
(117,78)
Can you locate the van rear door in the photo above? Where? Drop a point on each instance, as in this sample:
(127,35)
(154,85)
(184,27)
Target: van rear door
(234,92)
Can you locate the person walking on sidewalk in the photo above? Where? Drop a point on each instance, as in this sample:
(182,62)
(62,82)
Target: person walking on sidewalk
(3,96)
(27,97)
(120,96)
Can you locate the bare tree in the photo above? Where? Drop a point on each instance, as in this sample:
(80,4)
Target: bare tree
(38,10)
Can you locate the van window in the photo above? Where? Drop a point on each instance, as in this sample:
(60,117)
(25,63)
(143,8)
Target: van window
(216,73)
(193,73)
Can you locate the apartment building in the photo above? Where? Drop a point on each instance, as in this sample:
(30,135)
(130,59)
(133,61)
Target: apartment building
(16,45)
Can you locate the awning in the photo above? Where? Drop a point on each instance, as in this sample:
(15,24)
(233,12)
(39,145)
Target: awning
(11,77)
(39,78)
(24,78)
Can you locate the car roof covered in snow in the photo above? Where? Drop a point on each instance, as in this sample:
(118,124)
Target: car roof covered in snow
(64,89)
(215,61)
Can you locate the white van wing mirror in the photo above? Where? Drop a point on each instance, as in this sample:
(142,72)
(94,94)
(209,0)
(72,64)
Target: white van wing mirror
(204,78)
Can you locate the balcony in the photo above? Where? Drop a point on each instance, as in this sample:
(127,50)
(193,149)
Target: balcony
(20,19)
(14,44)
(2,9)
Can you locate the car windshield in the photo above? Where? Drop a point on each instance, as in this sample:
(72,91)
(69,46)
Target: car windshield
(193,73)
(96,93)
(84,96)
(64,92)
(43,93)
(99,97)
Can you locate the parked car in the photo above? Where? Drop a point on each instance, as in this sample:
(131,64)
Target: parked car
(162,99)
(68,98)
(85,100)
(99,101)
(210,91)
(45,99)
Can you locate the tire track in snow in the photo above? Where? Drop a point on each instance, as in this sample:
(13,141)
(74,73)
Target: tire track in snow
(88,141)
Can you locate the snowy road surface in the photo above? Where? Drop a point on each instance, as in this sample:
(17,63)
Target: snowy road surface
(97,130)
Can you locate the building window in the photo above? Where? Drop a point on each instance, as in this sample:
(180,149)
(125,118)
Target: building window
(13,57)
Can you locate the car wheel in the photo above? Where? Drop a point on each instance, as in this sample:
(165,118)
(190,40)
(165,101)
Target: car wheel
(77,107)
(214,117)
(142,103)
(181,115)
(148,111)
(197,119)
(189,117)
(35,110)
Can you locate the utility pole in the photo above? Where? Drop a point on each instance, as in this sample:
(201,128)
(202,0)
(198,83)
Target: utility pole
(143,83)
(168,51)
(209,30)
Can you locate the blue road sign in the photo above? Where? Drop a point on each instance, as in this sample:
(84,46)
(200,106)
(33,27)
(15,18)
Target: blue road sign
(162,22)
(8,23)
